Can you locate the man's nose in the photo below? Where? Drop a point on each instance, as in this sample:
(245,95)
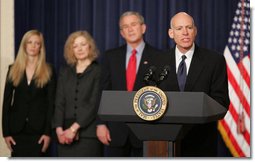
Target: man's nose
(185,31)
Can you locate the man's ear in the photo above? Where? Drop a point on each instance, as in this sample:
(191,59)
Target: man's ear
(122,34)
(195,31)
(144,28)
(170,33)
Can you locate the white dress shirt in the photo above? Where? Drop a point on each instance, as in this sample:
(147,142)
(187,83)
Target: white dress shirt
(188,54)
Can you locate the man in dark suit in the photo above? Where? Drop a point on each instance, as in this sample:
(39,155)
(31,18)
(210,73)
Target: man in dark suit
(118,74)
(196,69)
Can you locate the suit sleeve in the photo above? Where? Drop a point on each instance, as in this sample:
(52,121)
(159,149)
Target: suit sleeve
(60,101)
(106,73)
(7,103)
(219,86)
(91,106)
(51,87)
(105,80)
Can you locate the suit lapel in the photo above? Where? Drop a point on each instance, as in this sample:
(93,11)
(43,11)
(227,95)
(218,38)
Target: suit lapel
(122,69)
(196,67)
(143,66)
(172,74)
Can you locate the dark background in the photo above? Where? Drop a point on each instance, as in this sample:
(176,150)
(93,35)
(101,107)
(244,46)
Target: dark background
(56,19)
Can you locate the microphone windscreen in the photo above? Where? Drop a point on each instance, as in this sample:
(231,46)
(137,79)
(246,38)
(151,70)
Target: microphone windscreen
(153,68)
(167,67)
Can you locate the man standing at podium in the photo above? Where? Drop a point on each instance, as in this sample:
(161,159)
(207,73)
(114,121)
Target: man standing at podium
(196,69)
(124,69)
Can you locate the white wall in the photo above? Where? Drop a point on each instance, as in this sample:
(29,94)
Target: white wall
(6,55)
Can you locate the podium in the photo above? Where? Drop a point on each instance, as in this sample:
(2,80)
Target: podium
(183,110)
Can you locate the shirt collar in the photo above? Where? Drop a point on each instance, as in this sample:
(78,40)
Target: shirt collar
(188,54)
(139,48)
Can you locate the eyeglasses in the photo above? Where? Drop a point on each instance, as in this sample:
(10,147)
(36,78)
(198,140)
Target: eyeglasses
(132,25)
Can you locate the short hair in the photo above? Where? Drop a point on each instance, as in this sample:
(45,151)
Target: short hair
(137,14)
(68,50)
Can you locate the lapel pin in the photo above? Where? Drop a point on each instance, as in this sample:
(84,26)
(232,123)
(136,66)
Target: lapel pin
(145,62)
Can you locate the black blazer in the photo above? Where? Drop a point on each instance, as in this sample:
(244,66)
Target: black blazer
(31,105)
(207,74)
(114,78)
(77,99)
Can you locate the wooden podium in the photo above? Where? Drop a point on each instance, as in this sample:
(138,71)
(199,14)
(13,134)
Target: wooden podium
(161,137)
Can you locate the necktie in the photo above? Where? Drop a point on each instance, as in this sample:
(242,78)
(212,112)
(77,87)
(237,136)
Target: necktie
(131,71)
(181,73)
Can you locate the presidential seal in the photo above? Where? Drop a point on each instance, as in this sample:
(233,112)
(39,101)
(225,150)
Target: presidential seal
(150,103)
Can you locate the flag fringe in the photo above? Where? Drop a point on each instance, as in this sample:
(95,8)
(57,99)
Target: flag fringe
(227,140)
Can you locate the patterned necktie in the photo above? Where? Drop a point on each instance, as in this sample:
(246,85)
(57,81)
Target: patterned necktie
(181,73)
(131,71)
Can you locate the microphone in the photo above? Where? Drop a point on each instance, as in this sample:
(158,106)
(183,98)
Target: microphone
(148,77)
(164,74)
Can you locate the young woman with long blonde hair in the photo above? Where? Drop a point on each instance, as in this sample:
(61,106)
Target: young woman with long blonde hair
(28,99)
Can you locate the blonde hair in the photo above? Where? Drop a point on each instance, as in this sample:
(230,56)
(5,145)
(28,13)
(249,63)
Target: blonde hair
(69,53)
(42,72)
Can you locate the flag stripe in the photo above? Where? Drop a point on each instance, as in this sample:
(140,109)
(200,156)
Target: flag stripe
(232,139)
(237,106)
(235,118)
(236,138)
(238,91)
(244,73)
(237,57)
(234,68)
(226,139)
(246,64)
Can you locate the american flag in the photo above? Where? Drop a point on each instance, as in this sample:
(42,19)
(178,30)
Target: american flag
(235,127)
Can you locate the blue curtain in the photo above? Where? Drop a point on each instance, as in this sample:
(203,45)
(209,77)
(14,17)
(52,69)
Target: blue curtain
(56,19)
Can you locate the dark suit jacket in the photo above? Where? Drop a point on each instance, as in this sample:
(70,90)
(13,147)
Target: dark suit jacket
(77,99)
(114,78)
(31,105)
(207,74)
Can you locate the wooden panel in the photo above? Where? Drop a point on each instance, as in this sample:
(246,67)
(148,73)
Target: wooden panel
(156,148)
